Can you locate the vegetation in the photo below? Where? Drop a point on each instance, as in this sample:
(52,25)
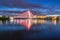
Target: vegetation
(4,18)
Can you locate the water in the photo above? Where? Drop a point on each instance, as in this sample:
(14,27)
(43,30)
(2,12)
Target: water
(29,29)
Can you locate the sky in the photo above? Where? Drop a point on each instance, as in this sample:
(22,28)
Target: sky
(36,5)
(29,3)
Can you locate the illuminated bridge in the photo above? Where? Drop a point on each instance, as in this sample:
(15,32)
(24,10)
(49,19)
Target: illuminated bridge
(29,15)
(26,14)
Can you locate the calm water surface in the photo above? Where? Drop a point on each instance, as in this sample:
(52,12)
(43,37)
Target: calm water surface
(29,29)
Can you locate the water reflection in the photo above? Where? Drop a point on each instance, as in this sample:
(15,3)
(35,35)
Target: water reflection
(38,29)
(4,22)
(29,22)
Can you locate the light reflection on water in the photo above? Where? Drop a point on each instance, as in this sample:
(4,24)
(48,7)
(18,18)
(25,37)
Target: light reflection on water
(31,28)
(27,23)
(32,21)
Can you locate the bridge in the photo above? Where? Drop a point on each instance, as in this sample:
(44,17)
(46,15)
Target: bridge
(28,14)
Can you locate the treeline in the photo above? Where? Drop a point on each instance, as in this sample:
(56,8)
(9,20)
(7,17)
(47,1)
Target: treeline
(4,18)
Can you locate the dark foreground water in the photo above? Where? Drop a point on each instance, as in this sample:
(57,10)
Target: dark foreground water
(39,30)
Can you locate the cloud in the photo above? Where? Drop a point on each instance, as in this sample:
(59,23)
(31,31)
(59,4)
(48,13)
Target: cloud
(12,9)
(19,3)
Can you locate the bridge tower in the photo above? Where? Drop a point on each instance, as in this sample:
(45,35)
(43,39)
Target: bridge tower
(27,14)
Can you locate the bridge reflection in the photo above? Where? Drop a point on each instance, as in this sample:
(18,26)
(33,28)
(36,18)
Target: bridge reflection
(29,22)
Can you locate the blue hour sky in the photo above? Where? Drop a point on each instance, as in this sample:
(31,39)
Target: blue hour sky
(45,2)
(21,5)
(29,3)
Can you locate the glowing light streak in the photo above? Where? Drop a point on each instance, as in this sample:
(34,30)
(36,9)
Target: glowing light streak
(29,24)
(29,14)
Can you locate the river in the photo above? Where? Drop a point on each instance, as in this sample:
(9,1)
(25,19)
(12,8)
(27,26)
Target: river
(29,29)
